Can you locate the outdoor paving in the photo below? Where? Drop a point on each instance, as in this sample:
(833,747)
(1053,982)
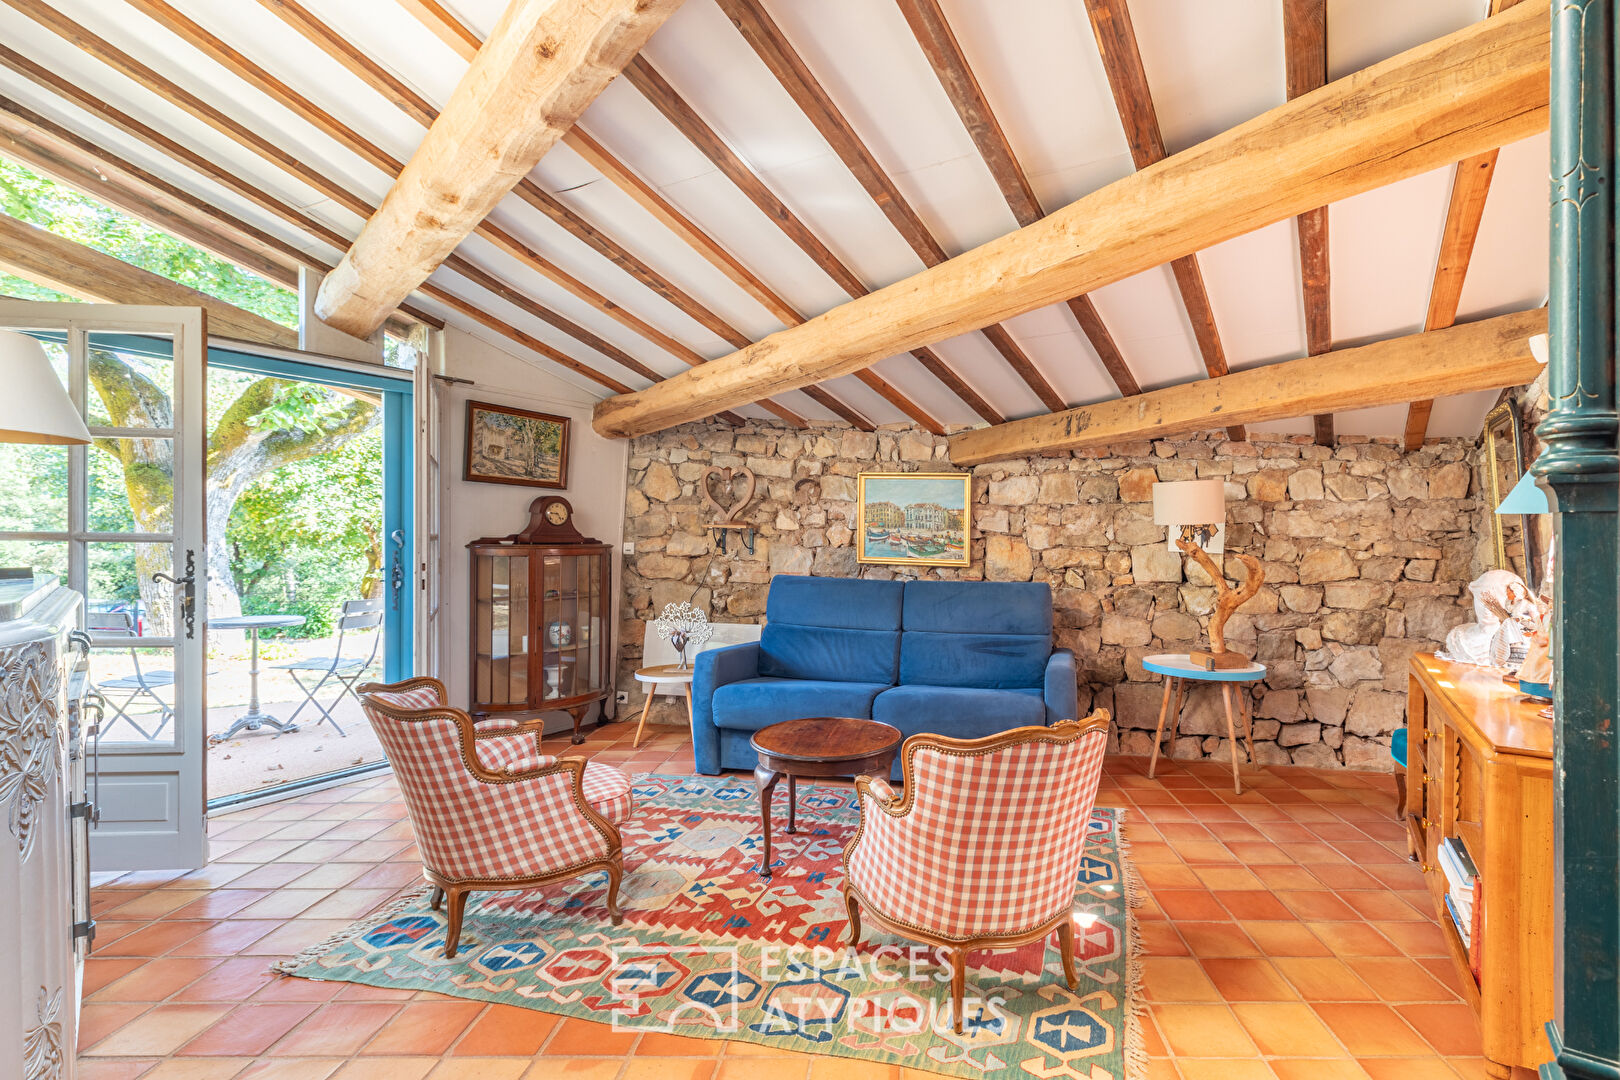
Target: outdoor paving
(1286,937)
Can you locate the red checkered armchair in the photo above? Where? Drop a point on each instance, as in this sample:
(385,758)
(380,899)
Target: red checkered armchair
(984,848)
(491,812)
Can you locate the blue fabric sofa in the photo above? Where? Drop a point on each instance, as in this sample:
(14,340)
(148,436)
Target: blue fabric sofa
(959,658)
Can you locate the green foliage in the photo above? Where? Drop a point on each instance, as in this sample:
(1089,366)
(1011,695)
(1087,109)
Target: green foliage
(41,201)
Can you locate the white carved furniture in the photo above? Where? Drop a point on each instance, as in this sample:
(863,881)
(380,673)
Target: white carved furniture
(45,925)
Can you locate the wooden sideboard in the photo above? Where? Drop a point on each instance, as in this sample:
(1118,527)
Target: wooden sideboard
(1479,767)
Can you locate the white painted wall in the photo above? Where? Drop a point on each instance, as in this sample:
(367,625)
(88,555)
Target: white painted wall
(596,482)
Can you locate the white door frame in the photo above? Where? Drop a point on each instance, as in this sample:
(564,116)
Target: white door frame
(150,797)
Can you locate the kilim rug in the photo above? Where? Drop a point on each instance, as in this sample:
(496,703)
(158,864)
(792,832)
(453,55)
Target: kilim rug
(709,949)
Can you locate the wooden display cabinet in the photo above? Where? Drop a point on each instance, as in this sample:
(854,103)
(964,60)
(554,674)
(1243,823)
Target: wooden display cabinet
(541,618)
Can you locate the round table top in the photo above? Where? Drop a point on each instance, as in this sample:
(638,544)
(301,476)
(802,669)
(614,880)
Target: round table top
(255,622)
(826,739)
(1181,666)
(664,673)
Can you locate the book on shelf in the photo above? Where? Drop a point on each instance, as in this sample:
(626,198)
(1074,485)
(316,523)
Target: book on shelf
(1464,924)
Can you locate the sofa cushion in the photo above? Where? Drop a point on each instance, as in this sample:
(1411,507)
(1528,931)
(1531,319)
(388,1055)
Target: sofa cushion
(961,712)
(834,629)
(756,703)
(995,635)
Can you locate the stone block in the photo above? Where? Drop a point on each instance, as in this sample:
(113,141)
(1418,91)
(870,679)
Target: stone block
(1136,485)
(659,482)
(1059,488)
(1326,564)
(1300,598)
(1006,558)
(1369,754)
(1281,705)
(747,601)
(1315,755)
(1015,490)
(1355,665)
(860,446)
(1152,562)
(661,566)
(1450,481)
(1345,487)
(1305,485)
(1407,483)
(687,544)
(1356,595)
(1125,630)
(1303,733)
(1176,627)
(1375,712)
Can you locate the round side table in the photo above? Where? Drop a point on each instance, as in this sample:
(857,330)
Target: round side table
(1177,668)
(664,673)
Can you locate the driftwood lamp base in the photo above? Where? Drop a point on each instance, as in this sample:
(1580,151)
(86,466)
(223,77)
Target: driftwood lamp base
(1220,661)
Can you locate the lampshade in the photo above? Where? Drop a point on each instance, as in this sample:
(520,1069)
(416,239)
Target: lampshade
(1525,498)
(34,407)
(1538,348)
(1189,502)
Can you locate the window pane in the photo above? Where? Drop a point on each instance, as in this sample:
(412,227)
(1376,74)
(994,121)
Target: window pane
(33,488)
(121,597)
(131,485)
(138,687)
(131,381)
(42,556)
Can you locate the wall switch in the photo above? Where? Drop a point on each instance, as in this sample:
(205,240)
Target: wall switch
(628,547)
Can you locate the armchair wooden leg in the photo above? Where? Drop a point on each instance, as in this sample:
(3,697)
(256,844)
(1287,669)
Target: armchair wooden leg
(1066,946)
(436,898)
(452,937)
(958,986)
(854,918)
(1400,793)
(615,873)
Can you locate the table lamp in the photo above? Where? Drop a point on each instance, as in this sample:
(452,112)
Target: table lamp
(35,407)
(1195,512)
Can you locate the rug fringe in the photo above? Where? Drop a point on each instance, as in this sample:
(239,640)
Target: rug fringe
(1136,1057)
(289,965)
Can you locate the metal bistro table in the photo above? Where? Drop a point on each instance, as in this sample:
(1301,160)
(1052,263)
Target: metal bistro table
(254,717)
(1177,668)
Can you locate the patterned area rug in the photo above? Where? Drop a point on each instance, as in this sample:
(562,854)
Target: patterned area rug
(709,949)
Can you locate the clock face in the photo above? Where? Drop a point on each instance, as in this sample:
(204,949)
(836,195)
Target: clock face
(557,513)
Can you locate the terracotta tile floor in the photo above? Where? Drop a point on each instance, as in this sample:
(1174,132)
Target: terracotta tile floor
(1286,936)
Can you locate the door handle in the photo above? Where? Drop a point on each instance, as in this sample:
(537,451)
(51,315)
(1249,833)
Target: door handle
(188,597)
(396,573)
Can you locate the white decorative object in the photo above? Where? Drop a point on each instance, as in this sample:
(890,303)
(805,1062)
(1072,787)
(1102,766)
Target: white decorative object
(684,626)
(35,407)
(1194,510)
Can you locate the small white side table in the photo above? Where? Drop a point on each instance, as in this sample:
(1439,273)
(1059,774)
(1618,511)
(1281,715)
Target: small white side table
(1177,668)
(664,673)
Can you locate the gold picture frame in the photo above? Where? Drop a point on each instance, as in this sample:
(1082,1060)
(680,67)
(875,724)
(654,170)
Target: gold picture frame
(914,519)
(1504,464)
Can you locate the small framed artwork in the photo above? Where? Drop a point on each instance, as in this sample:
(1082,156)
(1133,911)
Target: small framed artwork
(914,519)
(515,446)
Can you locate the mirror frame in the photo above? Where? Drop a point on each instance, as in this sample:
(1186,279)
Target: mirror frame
(1503,422)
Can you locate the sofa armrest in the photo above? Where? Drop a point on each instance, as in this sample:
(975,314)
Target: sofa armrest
(1062,687)
(710,671)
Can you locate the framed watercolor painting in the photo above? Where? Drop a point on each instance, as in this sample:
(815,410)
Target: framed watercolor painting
(914,519)
(515,446)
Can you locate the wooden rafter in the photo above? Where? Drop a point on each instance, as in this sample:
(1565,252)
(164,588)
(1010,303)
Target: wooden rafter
(417,107)
(1122,60)
(216,49)
(1305,55)
(645,78)
(1477,88)
(967,97)
(1477,356)
(445,26)
(80,270)
(541,67)
(1470,185)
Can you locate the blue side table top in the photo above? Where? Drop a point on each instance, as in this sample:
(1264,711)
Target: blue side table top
(1180,666)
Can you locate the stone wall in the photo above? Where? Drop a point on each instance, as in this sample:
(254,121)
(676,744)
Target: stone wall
(1367,553)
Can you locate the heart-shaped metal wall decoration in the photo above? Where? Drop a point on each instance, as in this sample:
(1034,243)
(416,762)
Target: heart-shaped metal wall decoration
(727,515)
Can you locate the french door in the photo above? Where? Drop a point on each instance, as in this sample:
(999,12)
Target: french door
(121,522)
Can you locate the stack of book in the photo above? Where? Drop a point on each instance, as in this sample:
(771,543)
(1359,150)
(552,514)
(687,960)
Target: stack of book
(1463,896)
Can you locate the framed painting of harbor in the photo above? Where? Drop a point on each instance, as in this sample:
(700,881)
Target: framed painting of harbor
(915,519)
(515,446)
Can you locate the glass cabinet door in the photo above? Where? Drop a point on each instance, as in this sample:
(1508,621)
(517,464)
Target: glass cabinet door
(501,629)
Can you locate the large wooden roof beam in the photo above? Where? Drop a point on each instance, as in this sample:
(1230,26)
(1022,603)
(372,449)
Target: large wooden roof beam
(542,65)
(1476,356)
(1462,94)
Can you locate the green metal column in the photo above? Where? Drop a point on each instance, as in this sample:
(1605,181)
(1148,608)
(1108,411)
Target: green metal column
(1580,468)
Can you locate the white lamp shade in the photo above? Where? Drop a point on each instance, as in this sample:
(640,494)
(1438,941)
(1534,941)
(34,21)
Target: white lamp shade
(1189,502)
(1538,349)
(34,407)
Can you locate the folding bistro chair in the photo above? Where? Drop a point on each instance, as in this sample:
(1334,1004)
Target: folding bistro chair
(142,684)
(358,615)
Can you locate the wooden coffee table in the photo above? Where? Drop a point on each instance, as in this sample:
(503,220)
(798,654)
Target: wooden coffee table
(817,746)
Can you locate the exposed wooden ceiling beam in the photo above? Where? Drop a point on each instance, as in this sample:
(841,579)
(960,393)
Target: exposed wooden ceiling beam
(644,77)
(445,26)
(1480,87)
(961,86)
(79,270)
(1470,184)
(423,111)
(1305,55)
(475,312)
(215,48)
(542,65)
(1133,97)
(1476,356)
